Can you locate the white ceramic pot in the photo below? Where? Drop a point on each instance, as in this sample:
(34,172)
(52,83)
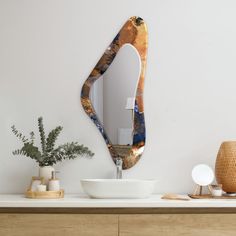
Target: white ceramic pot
(46,173)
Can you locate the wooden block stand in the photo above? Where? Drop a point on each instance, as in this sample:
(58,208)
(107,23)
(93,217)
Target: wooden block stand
(209,196)
(45,195)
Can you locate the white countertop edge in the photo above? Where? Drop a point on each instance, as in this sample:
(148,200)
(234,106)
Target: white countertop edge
(81,201)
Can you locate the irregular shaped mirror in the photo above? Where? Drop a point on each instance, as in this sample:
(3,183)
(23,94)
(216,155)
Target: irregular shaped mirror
(112,95)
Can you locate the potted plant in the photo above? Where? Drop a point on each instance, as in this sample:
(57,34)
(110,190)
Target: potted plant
(48,155)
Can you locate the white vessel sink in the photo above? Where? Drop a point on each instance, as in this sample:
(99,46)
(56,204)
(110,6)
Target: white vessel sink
(118,188)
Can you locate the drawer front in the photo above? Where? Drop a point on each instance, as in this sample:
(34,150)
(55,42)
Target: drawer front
(58,225)
(178,224)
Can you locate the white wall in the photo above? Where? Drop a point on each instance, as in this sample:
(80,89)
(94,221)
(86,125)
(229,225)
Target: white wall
(48,48)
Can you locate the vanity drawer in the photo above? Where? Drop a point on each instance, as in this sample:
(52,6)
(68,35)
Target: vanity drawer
(58,225)
(22,224)
(178,224)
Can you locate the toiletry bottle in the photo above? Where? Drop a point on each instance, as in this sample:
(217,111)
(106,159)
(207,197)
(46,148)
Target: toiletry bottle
(54,183)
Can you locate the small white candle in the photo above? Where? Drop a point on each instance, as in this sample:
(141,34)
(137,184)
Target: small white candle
(216,192)
(41,188)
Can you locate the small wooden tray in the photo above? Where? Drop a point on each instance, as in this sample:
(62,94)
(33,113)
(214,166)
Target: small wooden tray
(45,195)
(209,196)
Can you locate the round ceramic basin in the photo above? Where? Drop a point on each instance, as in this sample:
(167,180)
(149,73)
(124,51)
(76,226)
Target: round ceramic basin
(118,188)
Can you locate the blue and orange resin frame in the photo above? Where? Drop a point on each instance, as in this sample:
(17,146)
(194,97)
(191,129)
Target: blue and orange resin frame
(133,32)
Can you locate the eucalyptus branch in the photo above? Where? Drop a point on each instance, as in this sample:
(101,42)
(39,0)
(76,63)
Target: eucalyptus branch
(32,137)
(42,135)
(52,137)
(71,151)
(19,152)
(18,134)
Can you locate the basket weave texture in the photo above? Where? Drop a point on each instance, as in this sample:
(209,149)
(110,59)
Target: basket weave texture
(225,168)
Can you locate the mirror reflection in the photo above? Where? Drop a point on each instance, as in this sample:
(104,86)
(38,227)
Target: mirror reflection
(113,97)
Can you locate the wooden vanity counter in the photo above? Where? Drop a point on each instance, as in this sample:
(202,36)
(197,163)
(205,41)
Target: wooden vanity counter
(79,215)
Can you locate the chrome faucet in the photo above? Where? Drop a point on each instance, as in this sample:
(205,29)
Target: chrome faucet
(118,163)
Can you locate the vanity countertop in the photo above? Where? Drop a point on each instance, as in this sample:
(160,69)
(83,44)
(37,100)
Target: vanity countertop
(81,201)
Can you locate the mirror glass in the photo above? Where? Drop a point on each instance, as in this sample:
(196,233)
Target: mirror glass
(112,95)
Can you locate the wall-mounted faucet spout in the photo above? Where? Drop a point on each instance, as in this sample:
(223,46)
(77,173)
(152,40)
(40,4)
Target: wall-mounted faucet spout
(118,163)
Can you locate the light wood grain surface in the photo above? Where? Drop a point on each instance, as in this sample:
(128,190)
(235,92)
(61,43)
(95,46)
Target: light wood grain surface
(117,225)
(178,224)
(58,225)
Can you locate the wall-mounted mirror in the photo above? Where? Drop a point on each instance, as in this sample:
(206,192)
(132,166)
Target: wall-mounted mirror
(112,95)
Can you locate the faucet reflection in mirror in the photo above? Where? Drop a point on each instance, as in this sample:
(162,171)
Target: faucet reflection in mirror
(129,106)
(113,80)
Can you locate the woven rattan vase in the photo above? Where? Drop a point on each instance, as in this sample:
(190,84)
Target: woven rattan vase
(225,168)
